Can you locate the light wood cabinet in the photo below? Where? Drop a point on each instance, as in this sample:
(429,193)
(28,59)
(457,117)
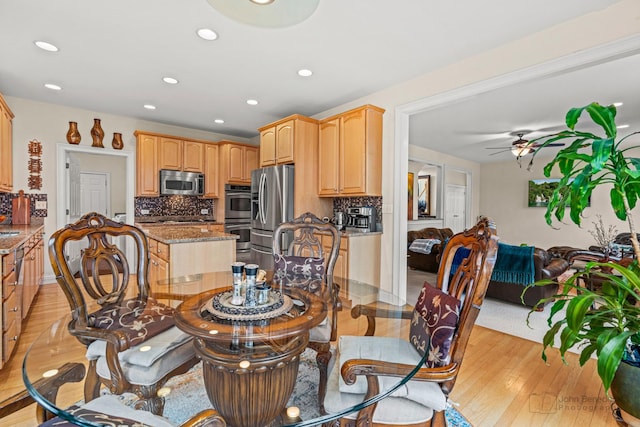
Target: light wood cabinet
(159,257)
(157,151)
(353,250)
(211,172)
(350,153)
(294,139)
(277,140)
(6,141)
(237,161)
(17,296)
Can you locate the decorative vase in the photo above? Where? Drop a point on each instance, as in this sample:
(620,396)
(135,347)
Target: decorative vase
(117,141)
(73,136)
(624,389)
(97,134)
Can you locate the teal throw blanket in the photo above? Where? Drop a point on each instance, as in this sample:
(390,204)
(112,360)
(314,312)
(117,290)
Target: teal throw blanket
(514,264)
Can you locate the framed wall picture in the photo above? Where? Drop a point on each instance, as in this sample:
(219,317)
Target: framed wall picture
(410,196)
(540,191)
(424,195)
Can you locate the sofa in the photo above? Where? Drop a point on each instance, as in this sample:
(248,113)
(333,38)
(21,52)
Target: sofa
(427,261)
(545,266)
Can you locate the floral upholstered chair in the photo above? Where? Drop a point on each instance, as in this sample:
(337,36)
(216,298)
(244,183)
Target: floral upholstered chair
(440,325)
(300,261)
(114,315)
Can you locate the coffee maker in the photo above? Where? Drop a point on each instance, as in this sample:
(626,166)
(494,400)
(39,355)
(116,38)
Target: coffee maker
(362,218)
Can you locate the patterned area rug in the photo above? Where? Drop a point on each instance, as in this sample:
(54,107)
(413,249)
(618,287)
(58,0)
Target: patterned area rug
(188,395)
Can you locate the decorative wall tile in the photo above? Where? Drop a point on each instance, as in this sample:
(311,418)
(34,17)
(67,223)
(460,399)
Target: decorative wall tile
(6,205)
(173,206)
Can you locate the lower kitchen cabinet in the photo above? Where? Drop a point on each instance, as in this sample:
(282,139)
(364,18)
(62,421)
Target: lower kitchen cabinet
(364,264)
(18,293)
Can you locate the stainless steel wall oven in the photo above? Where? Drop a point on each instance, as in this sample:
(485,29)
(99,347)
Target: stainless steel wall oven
(237,217)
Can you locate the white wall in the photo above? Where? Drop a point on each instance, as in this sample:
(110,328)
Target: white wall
(49,123)
(505,200)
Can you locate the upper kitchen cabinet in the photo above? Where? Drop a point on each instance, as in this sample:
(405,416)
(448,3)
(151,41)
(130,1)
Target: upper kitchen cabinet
(237,161)
(157,151)
(278,140)
(211,171)
(6,155)
(350,153)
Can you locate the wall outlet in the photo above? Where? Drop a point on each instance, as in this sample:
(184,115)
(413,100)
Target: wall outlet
(204,211)
(144,211)
(41,204)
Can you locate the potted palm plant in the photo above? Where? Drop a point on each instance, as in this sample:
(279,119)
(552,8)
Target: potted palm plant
(602,319)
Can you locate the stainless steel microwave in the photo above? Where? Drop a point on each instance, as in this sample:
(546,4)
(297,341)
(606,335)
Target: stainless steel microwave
(181,183)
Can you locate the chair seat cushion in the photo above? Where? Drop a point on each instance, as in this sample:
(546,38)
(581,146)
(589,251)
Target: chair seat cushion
(322,332)
(146,353)
(434,322)
(109,411)
(174,356)
(138,319)
(392,350)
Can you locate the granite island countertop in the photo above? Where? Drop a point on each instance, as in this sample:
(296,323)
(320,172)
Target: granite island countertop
(24,232)
(165,233)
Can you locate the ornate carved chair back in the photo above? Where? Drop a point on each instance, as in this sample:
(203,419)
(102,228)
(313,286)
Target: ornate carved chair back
(465,271)
(104,269)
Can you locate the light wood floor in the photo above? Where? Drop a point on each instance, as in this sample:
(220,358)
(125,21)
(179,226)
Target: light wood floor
(503,381)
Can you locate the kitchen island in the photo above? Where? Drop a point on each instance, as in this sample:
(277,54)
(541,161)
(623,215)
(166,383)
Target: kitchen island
(178,250)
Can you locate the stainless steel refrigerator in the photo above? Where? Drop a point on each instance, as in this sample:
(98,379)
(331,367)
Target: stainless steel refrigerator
(271,205)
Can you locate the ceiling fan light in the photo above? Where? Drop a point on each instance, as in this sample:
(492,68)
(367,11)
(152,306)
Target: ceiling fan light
(520,151)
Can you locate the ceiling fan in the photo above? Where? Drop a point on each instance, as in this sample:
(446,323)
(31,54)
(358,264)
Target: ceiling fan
(521,147)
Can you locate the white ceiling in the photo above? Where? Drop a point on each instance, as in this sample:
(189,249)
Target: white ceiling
(113,55)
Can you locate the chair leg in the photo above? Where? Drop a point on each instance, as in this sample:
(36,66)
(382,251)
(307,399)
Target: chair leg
(91,382)
(322,359)
(149,399)
(438,419)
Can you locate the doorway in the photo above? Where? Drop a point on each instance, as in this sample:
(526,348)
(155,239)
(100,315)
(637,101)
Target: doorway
(455,211)
(74,160)
(95,188)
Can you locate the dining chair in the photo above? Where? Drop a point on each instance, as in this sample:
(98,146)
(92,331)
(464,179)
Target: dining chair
(104,410)
(300,260)
(132,342)
(439,327)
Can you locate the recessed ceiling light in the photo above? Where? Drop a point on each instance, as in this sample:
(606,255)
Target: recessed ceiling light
(149,107)
(262,1)
(622,126)
(207,34)
(170,80)
(305,73)
(252,102)
(52,86)
(618,104)
(218,121)
(46,46)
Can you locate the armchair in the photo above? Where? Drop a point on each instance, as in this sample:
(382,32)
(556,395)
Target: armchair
(107,408)
(304,261)
(440,326)
(114,316)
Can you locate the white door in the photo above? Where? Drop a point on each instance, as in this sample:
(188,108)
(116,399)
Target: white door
(94,193)
(455,207)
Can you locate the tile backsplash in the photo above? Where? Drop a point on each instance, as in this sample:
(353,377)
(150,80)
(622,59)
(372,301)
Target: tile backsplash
(173,206)
(342,203)
(6,205)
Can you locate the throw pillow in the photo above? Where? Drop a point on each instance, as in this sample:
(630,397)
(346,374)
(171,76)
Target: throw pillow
(138,319)
(296,267)
(435,319)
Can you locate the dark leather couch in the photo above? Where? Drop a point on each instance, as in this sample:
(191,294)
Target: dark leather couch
(427,262)
(546,266)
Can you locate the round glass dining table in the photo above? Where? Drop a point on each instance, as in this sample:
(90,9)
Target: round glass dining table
(250,358)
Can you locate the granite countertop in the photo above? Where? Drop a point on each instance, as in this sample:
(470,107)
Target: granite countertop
(9,242)
(183,233)
(144,220)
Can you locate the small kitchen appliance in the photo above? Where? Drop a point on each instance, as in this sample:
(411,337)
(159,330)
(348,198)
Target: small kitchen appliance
(362,219)
(339,219)
(181,183)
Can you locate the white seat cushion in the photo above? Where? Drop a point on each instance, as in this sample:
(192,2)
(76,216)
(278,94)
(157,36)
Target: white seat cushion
(110,405)
(393,350)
